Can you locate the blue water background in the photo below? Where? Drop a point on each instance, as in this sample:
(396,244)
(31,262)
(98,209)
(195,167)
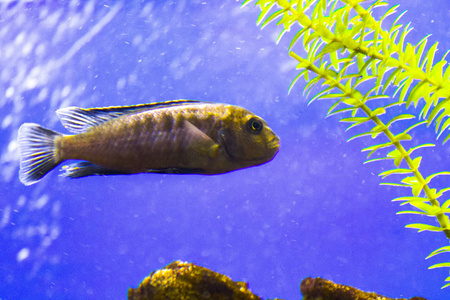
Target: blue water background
(315,210)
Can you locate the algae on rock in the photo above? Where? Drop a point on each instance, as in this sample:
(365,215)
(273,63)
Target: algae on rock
(187,281)
(183,281)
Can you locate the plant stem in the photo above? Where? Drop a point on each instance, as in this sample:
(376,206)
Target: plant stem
(441,217)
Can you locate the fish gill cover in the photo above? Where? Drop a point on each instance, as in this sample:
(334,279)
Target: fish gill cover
(314,211)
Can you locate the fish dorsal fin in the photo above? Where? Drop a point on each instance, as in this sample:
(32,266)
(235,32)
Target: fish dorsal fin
(78,120)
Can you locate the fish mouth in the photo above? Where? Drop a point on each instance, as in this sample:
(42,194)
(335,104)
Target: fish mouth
(272,147)
(274,143)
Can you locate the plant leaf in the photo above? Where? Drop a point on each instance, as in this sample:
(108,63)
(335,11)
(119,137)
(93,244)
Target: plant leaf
(439,251)
(424,227)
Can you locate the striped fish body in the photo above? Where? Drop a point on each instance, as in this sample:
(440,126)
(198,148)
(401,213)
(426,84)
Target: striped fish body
(183,136)
(180,137)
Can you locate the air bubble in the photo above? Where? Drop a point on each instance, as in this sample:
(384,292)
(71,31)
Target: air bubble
(9,92)
(23,254)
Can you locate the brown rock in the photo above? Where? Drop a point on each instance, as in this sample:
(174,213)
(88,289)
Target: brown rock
(183,281)
(318,288)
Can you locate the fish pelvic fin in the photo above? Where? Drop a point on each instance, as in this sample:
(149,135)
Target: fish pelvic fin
(38,153)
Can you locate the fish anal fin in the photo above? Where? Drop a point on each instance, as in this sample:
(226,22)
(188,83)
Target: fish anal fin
(84,168)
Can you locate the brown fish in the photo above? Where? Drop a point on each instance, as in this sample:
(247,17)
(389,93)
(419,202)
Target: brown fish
(180,136)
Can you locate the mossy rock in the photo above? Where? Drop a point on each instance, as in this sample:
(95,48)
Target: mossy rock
(182,280)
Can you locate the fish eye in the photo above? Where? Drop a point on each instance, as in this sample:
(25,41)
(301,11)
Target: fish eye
(254,125)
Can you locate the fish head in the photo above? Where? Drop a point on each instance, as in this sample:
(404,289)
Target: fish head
(248,140)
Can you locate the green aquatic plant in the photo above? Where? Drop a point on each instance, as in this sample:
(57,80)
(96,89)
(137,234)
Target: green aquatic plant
(357,59)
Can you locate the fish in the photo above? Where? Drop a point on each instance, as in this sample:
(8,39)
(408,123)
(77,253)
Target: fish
(171,137)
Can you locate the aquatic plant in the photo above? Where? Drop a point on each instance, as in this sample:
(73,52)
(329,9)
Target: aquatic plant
(356,60)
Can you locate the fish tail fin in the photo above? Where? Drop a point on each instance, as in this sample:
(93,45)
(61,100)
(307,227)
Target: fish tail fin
(37,152)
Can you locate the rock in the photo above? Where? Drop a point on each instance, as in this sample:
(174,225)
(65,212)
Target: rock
(182,280)
(185,281)
(318,288)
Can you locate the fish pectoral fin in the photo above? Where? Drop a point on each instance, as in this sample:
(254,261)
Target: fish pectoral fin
(85,168)
(199,141)
(78,120)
